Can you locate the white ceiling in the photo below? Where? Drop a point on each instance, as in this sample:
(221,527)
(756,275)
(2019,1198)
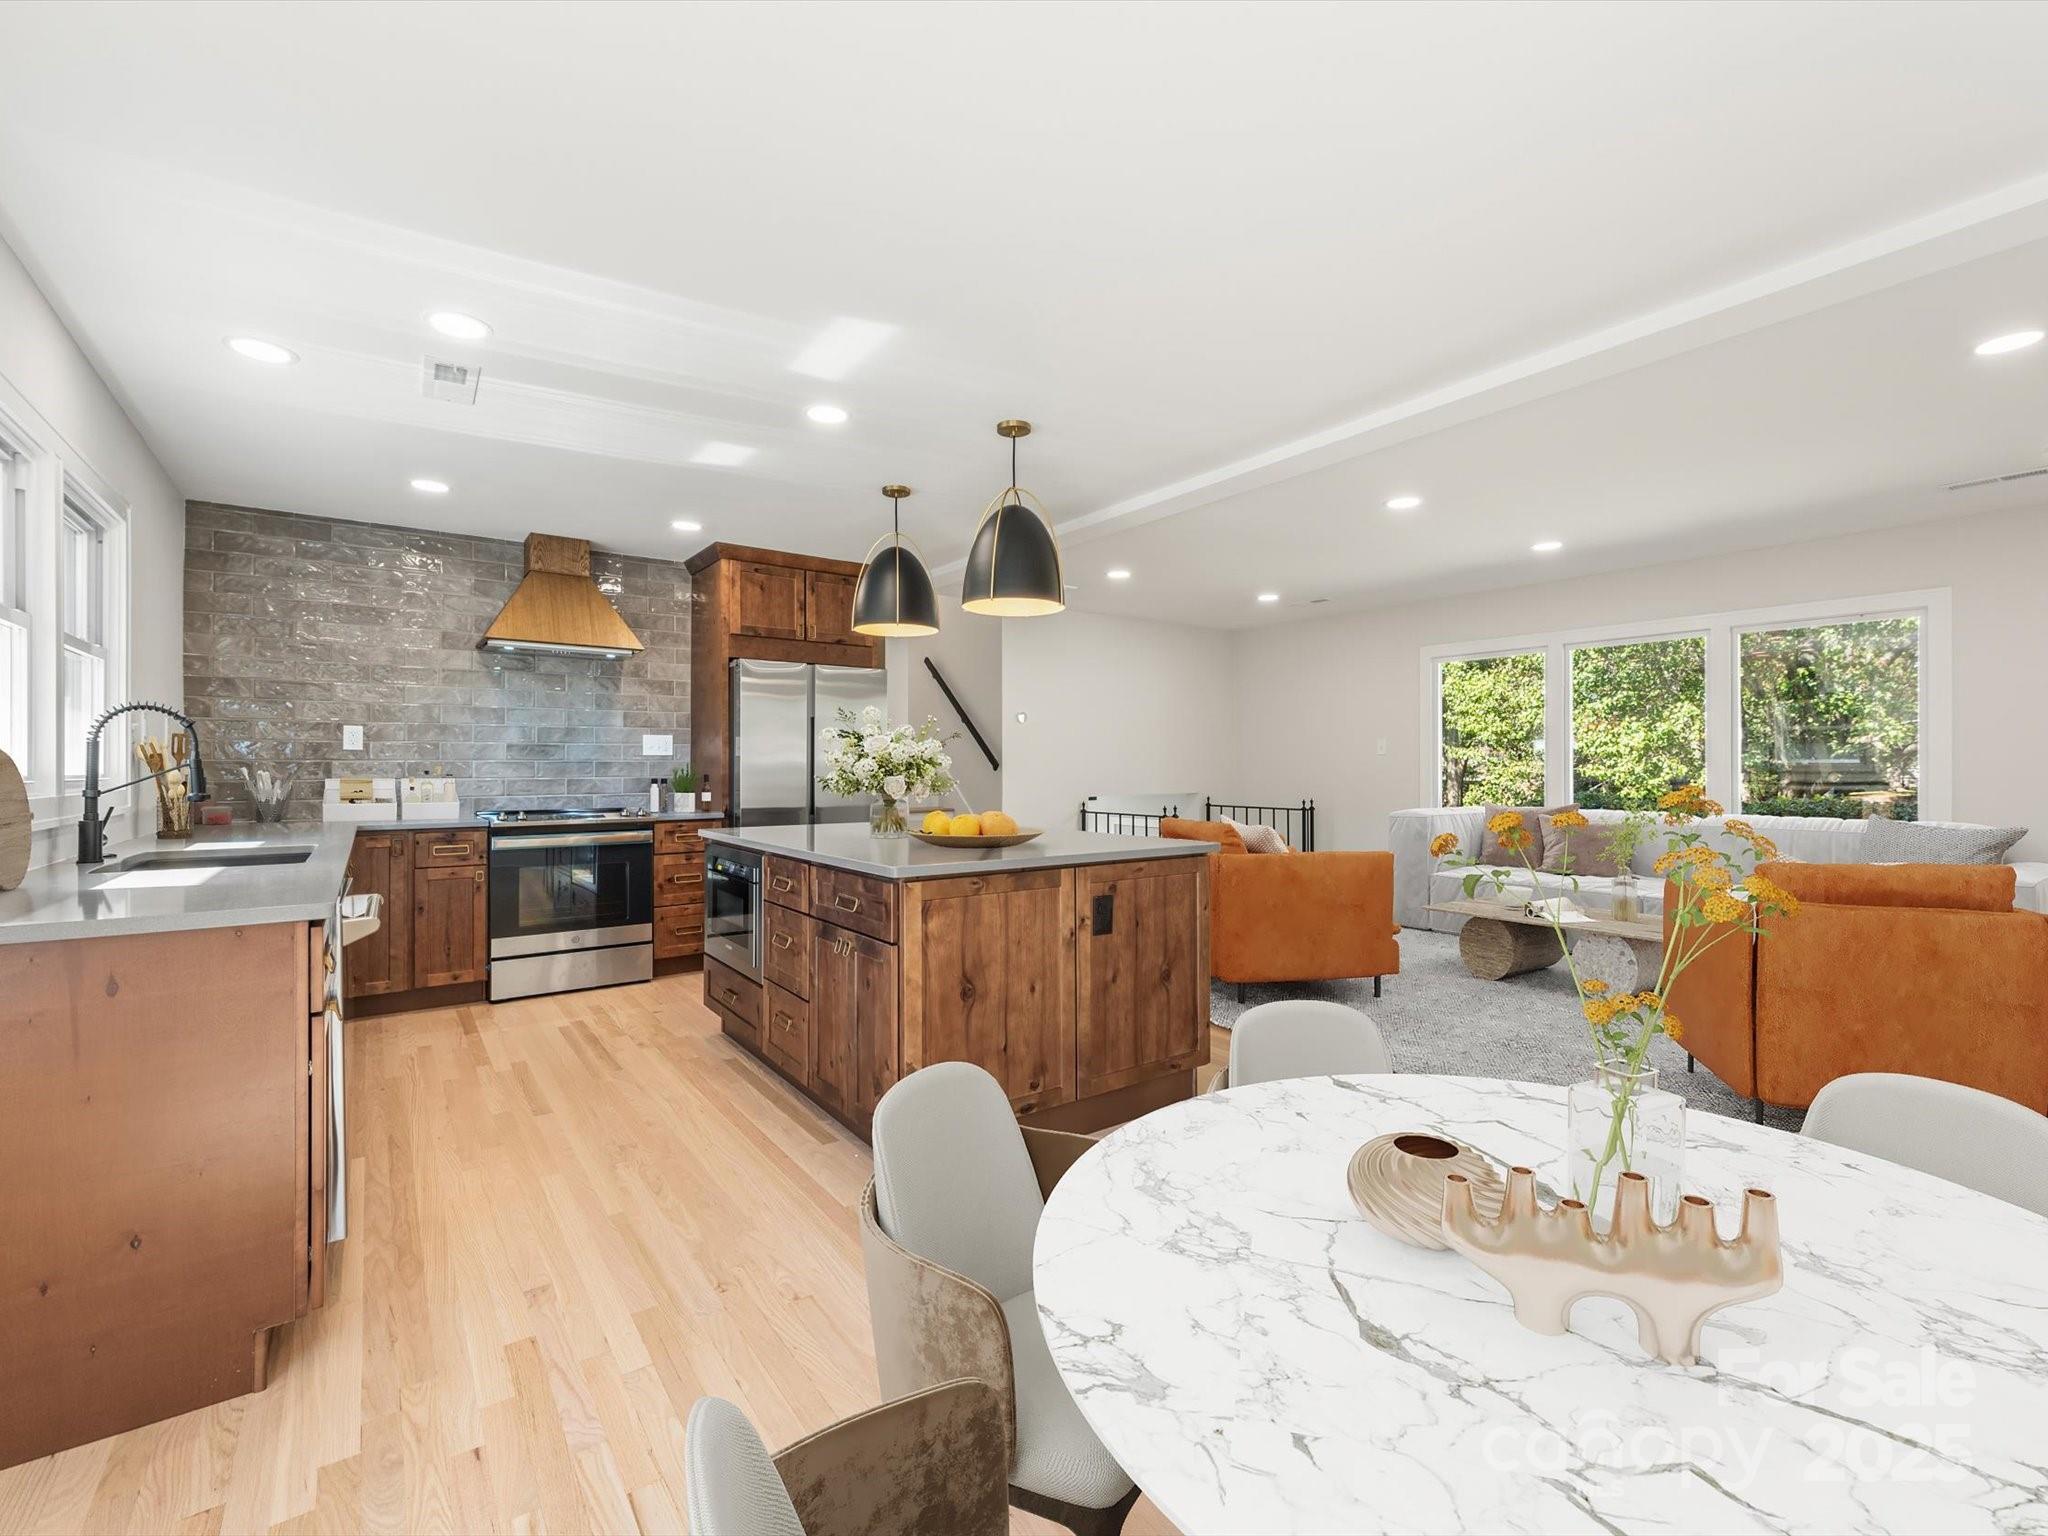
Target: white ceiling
(1613,271)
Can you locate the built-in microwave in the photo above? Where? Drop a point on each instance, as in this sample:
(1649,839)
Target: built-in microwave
(732,908)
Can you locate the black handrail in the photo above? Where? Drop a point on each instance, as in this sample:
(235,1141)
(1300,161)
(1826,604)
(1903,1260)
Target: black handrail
(960,710)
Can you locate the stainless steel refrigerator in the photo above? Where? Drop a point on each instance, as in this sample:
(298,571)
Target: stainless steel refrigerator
(778,709)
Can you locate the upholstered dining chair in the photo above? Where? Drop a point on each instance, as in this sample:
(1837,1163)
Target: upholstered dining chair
(1964,1135)
(947,1225)
(930,1464)
(1301,1037)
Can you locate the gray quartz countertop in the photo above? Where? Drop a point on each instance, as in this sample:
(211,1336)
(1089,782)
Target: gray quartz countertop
(848,846)
(64,901)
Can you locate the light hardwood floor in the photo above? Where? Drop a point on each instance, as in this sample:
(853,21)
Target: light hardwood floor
(569,1218)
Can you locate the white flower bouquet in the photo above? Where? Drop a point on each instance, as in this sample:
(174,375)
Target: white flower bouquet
(864,755)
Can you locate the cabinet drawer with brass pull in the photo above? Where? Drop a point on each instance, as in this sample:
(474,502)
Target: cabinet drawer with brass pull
(786,883)
(736,1000)
(786,960)
(786,1041)
(435,848)
(855,901)
(678,877)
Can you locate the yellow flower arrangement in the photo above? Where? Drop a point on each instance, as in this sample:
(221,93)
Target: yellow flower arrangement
(1723,908)
(1569,818)
(1593,986)
(1503,821)
(1443,843)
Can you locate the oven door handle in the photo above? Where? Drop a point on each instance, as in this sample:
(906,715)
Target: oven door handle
(572,840)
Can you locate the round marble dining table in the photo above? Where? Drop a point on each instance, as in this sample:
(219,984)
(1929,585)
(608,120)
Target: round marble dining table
(1259,1359)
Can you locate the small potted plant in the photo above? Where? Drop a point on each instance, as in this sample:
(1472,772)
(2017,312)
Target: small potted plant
(683,785)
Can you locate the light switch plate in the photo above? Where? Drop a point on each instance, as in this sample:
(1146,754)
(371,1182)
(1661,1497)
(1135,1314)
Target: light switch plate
(351,738)
(657,746)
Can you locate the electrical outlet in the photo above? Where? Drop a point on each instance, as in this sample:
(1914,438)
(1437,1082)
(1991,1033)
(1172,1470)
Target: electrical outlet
(351,738)
(657,746)
(1382,747)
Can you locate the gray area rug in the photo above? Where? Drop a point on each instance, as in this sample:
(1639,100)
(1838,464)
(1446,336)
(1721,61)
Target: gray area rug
(1438,1017)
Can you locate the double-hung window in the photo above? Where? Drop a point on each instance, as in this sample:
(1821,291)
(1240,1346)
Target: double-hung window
(82,574)
(15,704)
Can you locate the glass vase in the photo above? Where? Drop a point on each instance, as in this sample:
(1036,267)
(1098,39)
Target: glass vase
(1622,1122)
(1628,900)
(887,818)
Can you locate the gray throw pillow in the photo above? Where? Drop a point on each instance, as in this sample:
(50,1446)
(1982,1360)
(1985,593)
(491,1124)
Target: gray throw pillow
(1921,842)
(1490,850)
(1586,847)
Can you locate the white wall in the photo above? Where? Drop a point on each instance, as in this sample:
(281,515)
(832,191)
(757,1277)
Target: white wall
(969,649)
(75,417)
(1113,707)
(1332,709)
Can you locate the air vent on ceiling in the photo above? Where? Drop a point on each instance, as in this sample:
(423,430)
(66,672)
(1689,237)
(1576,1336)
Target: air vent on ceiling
(450,381)
(2023,474)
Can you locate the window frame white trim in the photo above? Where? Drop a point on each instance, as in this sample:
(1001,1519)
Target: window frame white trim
(1723,632)
(56,471)
(110,518)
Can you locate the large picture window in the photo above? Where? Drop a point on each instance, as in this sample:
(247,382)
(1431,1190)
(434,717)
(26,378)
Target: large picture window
(1492,730)
(1834,708)
(1831,719)
(1639,721)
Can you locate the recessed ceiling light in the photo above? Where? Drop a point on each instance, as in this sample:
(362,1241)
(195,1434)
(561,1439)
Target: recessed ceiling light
(1547,546)
(684,525)
(2011,342)
(461,327)
(1118,575)
(1403,503)
(431,487)
(722,455)
(826,415)
(262,351)
(1269,597)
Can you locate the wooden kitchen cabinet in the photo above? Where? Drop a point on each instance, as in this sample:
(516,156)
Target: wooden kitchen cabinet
(828,608)
(380,864)
(988,970)
(450,925)
(770,602)
(761,605)
(854,1018)
(1141,971)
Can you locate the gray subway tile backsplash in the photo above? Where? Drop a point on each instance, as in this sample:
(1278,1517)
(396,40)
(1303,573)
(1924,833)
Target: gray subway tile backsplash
(296,626)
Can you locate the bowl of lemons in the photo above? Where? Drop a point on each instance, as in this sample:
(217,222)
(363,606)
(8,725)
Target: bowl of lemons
(989,829)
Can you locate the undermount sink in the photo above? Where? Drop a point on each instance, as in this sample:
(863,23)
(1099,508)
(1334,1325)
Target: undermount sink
(216,858)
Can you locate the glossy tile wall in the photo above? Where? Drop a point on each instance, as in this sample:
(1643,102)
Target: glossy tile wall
(297,626)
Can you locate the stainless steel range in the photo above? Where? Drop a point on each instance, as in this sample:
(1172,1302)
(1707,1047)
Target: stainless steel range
(572,899)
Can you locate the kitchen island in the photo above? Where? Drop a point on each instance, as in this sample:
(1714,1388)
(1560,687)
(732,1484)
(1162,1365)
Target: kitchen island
(1074,968)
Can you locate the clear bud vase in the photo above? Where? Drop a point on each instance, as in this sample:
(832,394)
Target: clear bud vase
(887,818)
(1620,1122)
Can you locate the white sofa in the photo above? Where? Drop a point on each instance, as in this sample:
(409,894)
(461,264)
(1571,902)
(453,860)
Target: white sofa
(1420,880)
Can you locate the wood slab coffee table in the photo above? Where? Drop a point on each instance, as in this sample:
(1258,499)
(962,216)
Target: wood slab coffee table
(1499,941)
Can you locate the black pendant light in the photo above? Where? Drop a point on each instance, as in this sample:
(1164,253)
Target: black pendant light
(894,597)
(1013,567)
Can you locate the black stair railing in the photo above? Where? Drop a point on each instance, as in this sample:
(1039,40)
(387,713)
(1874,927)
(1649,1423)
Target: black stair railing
(960,709)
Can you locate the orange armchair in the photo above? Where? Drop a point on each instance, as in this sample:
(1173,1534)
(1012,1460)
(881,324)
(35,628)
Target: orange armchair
(1917,968)
(1295,916)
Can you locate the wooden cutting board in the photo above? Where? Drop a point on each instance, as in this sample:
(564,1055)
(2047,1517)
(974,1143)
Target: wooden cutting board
(13,825)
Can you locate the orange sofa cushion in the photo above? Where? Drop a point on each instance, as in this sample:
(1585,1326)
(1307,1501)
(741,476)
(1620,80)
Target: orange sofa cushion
(1958,887)
(1203,832)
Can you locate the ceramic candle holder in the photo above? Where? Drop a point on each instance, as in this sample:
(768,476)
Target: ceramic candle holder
(1673,1278)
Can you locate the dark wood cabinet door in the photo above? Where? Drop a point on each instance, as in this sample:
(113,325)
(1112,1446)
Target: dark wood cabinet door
(1142,971)
(854,1048)
(769,602)
(380,863)
(989,967)
(449,941)
(828,608)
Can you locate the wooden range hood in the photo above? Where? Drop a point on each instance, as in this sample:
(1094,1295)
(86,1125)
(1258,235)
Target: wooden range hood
(557,607)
